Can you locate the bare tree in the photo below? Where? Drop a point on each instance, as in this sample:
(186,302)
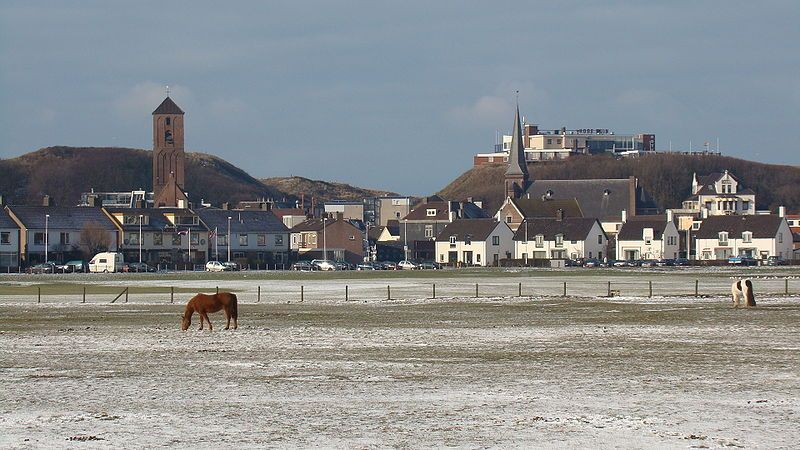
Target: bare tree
(94,239)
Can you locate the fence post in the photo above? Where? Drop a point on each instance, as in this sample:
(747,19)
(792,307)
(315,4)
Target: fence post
(696,288)
(217,289)
(258,300)
(388,292)
(39,289)
(84,295)
(520,290)
(565,289)
(651,288)
(301,292)
(346,293)
(786,286)
(126,295)
(172,295)
(434,290)
(609,289)
(476,290)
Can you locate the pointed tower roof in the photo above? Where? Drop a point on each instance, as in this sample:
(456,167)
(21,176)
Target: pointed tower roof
(168,107)
(516,156)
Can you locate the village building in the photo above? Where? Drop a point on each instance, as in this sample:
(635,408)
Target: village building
(560,238)
(251,237)
(720,194)
(351,210)
(290,216)
(474,242)
(62,233)
(420,227)
(647,237)
(380,210)
(169,158)
(9,243)
(515,210)
(754,236)
(328,238)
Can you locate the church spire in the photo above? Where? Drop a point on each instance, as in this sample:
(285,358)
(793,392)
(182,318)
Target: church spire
(516,177)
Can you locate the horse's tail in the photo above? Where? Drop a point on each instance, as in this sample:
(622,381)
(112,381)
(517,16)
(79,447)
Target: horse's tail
(234,307)
(751,298)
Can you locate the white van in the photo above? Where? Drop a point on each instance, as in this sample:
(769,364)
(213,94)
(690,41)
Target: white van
(106,262)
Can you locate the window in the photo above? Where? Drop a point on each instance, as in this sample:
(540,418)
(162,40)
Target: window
(222,239)
(38,238)
(468,239)
(261,239)
(5,238)
(508,219)
(747,236)
(397,214)
(723,238)
(599,239)
(559,240)
(187,220)
(176,239)
(695,225)
(430,212)
(745,205)
(352,237)
(495,240)
(477,257)
(133,238)
(238,254)
(158,238)
(428,231)
(243,239)
(549,141)
(168,137)
(452,241)
(573,242)
(195,238)
(278,239)
(780,238)
(64,238)
(168,121)
(539,240)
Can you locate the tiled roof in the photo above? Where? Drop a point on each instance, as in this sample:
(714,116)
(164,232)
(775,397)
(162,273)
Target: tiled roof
(245,221)
(762,226)
(62,217)
(710,178)
(632,229)
(421,211)
(601,198)
(5,220)
(572,228)
(155,218)
(479,229)
(536,207)
(168,107)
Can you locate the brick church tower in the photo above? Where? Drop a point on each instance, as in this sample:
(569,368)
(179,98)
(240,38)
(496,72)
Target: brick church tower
(168,156)
(516,177)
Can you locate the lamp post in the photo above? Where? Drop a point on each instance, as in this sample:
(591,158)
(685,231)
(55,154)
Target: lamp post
(405,239)
(229,238)
(324,242)
(216,244)
(141,217)
(46,231)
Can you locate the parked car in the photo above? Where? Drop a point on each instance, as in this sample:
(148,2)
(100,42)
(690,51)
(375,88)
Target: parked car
(388,265)
(649,263)
(620,263)
(106,262)
(138,267)
(231,266)
(323,264)
(45,267)
(681,262)
(665,262)
(429,265)
(742,261)
(215,266)
(74,266)
(304,266)
(365,266)
(406,265)
(775,261)
(591,263)
(341,265)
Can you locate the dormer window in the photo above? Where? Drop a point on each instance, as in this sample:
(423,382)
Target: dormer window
(468,239)
(559,240)
(723,238)
(539,240)
(452,241)
(747,237)
(430,212)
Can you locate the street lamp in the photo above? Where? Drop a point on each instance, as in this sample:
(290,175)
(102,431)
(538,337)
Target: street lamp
(46,241)
(141,217)
(324,242)
(229,238)
(405,239)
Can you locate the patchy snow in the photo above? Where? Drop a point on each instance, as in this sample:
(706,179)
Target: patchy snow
(494,371)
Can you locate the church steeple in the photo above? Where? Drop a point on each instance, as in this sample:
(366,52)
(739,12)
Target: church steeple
(168,152)
(516,177)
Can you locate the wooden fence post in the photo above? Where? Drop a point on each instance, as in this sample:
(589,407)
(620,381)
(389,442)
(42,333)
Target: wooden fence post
(388,292)
(565,289)
(696,288)
(520,290)
(651,288)
(258,300)
(302,293)
(126,295)
(476,290)
(786,286)
(39,289)
(434,290)
(217,289)
(346,293)
(609,289)
(84,295)
(172,295)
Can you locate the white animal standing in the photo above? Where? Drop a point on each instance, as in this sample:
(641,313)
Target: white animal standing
(742,292)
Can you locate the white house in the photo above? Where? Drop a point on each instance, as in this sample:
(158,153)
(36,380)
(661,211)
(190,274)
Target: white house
(480,242)
(755,236)
(9,242)
(247,236)
(720,194)
(560,238)
(648,237)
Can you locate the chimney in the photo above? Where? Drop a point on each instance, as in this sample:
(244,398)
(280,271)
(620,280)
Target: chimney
(226,206)
(670,216)
(624,216)
(704,212)
(559,214)
(46,200)
(781,211)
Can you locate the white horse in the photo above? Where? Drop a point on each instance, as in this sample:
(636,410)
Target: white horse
(742,290)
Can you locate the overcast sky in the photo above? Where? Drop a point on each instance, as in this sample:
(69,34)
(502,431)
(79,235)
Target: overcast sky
(397,95)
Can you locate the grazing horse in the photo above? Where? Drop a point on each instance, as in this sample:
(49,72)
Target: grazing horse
(204,304)
(743,290)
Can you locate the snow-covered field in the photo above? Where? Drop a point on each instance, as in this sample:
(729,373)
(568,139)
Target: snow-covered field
(494,371)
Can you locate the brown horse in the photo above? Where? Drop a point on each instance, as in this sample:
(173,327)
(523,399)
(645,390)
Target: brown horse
(204,304)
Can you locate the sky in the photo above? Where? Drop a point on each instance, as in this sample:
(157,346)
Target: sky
(397,95)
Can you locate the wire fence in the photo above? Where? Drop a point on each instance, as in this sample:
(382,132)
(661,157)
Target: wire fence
(322,291)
